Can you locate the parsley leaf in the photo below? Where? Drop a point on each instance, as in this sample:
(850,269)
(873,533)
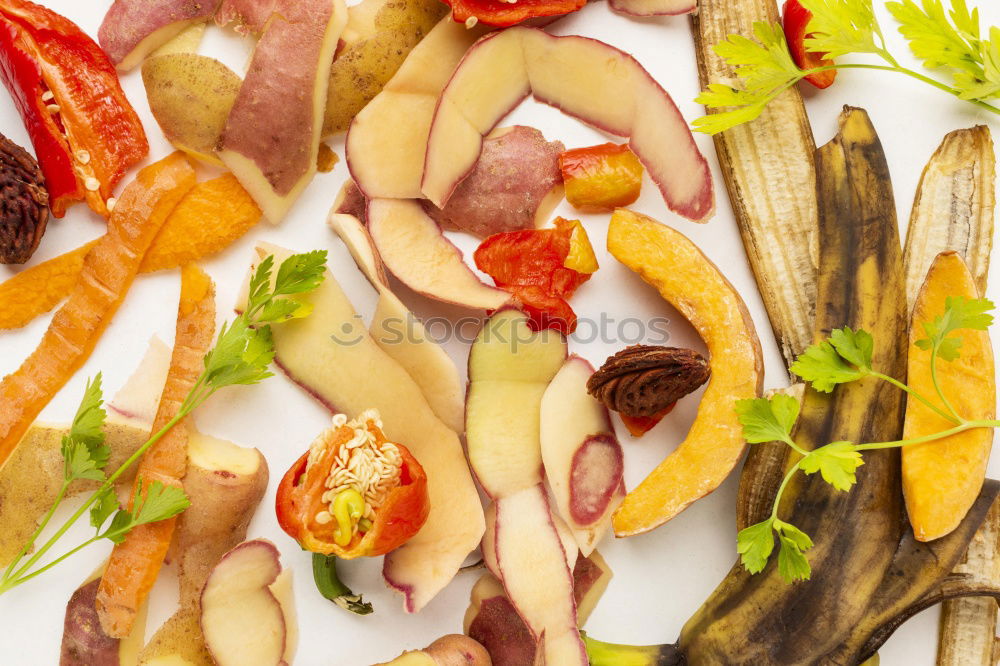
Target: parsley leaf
(260,282)
(84,452)
(158,502)
(840,27)
(959,313)
(766,69)
(952,40)
(792,563)
(300,273)
(755,544)
(855,347)
(79,464)
(768,419)
(823,367)
(837,463)
(103,508)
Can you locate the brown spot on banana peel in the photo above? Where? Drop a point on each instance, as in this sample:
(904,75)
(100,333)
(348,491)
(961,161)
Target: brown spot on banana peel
(861,285)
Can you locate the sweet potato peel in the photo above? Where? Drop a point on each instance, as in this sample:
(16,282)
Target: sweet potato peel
(136,562)
(37,290)
(184,237)
(108,271)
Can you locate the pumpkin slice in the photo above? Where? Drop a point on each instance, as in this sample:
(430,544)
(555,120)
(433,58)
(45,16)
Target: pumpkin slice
(685,277)
(942,479)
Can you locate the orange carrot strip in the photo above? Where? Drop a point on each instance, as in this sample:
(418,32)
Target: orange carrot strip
(210,217)
(135,563)
(108,271)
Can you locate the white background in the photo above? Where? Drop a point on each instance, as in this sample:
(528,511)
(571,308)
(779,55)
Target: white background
(660,578)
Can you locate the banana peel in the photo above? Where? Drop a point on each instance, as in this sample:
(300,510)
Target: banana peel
(869,574)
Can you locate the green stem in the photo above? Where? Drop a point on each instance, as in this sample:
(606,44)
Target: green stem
(937,386)
(913,74)
(108,484)
(900,385)
(38,531)
(14,582)
(781,489)
(965,425)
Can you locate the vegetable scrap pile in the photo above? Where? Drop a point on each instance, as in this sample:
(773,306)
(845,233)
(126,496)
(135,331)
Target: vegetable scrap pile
(873,469)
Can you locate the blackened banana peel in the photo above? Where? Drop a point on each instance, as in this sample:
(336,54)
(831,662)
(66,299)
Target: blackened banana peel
(869,574)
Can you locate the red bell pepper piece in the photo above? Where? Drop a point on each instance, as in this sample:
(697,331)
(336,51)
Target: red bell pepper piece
(300,501)
(539,267)
(796,20)
(83,128)
(503,14)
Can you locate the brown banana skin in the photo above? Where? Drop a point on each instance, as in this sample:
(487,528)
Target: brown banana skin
(761,619)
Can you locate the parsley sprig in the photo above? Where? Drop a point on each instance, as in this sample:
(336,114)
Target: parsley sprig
(844,357)
(946,41)
(241,355)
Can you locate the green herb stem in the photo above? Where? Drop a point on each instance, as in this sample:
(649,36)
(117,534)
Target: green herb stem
(930,405)
(781,489)
(107,485)
(937,385)
(966,425)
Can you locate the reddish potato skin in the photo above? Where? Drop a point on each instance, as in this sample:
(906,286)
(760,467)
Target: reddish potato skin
(84,642)
(499,629)
(507,190)
(130,22)
(588,507)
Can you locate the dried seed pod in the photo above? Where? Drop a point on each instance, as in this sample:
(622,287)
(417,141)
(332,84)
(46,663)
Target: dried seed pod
(643,380)
(23,203)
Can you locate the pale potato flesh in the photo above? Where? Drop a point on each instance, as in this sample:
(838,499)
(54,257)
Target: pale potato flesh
(653,7)
(330,372)
(241,619)
(569,418)
(535,575)
(509,369)
(585,78)
(400,334)
(415,251)
(387,142)
(225,484)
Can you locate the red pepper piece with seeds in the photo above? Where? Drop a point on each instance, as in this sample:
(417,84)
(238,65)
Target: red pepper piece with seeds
(85,133)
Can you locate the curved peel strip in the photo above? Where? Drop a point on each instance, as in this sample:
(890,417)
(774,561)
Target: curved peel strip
(691,283)
(183,238)
(582,457)
(135,563)
(415,251)
(387,141)
(108,271)
(653,7)
(577,75)
(400,334)
(425,564)
(942,479)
